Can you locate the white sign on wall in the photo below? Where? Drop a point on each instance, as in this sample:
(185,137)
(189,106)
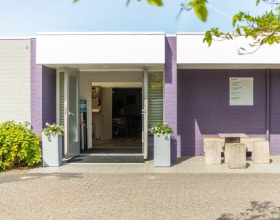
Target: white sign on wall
(241,92)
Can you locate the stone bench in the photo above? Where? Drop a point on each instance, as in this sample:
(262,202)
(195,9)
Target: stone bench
(226,151)
(236,154)
(248,141)
(214,138)
(212,152)
(260,153)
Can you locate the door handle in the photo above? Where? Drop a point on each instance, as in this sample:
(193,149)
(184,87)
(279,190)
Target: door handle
(70,113)
(144,112)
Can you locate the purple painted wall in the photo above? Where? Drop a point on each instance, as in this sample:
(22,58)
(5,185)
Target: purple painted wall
(49,95)
(43,93)
(275,112)
(170,93)
(203,107)
(36,92)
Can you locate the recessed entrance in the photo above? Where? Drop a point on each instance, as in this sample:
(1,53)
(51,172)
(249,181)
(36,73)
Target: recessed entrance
(110,111)
(112,122)
(116,119)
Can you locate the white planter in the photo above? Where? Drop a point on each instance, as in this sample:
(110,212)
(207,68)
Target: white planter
(52,150)
(162,152)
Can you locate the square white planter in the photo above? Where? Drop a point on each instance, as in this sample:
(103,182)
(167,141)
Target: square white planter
(162,151)
(52,150)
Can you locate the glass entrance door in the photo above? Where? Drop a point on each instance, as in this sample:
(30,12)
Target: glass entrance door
(71,112)
(145,113)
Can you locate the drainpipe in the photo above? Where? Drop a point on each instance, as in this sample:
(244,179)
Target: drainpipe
(267,104)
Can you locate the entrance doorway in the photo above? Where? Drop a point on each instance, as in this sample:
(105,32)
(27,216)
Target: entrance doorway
(105,124)
(116,120)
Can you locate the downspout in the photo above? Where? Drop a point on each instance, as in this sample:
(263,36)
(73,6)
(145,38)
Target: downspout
(268,104)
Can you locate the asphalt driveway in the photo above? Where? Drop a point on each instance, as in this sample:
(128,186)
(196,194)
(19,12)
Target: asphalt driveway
(139,196)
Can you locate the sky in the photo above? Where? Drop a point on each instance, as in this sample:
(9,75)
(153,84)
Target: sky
(27,17)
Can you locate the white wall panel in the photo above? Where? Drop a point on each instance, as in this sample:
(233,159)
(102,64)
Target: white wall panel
(192,50)
(15,80)
(100,48)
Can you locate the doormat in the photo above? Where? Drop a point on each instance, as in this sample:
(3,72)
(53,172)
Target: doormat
(113,150)
(106,159)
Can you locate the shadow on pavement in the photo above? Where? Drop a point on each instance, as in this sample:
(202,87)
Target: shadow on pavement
(258,210)
(9,178)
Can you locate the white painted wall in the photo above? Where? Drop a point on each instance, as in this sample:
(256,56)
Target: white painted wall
(191,50)
(100,48)
(15,80)
(86,80)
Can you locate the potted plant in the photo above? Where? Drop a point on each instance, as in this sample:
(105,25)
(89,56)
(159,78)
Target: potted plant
(52,145)
(162,151)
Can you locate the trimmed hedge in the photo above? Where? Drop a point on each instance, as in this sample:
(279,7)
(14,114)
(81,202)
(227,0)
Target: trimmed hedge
(19,146)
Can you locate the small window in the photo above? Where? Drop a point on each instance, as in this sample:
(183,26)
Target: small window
(61,98)
(155,97)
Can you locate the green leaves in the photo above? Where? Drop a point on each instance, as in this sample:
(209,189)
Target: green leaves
(200,9)
(238,31)
(262,29)
(53,129)
(19,146)
(155,2)
(162,129)
(237,17)
(208,38)
(214,32)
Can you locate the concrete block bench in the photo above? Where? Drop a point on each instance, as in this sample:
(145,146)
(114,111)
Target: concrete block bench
(260,153)
(213,151)
(214,138)
(226,151)
(236,155)
(215,145)
(248,141)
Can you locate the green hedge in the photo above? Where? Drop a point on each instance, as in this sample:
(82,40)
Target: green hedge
(19,146)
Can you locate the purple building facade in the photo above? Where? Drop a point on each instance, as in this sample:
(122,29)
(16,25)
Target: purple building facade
(196,102)
(43,93)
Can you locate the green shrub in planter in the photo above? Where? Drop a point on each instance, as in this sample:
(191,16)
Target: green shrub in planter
(19,146)
(52,145)
(162,129)
(162,147)
(53,129)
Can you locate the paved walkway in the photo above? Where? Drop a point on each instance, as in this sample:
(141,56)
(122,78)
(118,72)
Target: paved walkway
(139,196)
(184,165)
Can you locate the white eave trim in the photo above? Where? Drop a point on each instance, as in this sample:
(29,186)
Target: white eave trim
(190,33)
(228,66)
(15,38)
(100,33)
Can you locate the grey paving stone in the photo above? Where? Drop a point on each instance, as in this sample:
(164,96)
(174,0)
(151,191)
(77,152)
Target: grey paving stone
(140,196)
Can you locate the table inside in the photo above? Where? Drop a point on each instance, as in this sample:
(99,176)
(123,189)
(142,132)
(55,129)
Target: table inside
(232,137)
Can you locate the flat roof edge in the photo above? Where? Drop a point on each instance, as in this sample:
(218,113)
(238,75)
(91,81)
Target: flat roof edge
(15,38)
(190,33)
(227,63)
(100,33)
